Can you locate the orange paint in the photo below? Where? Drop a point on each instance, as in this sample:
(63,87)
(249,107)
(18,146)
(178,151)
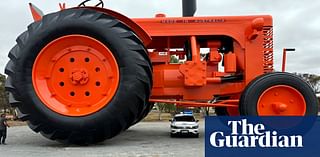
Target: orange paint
(36,12)
(198,80)
(75,75)
(196,104)
(230,65)
(243,43)
(281,100)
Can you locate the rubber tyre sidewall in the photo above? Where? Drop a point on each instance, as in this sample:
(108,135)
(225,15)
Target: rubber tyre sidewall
(251,95)
(117,115)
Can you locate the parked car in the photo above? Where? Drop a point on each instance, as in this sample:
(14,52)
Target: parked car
(184,124)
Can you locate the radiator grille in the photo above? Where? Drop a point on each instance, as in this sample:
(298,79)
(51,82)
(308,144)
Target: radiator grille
(268,49)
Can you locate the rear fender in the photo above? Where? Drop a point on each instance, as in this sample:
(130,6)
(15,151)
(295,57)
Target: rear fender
(146,39)
(142,34)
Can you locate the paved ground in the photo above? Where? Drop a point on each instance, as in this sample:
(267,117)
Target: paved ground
(142,140)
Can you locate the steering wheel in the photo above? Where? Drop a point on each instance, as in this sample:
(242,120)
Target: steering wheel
(83,4)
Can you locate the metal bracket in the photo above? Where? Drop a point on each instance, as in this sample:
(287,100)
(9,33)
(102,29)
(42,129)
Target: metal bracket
(83,4)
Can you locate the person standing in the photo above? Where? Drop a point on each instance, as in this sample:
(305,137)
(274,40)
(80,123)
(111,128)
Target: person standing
(3,129)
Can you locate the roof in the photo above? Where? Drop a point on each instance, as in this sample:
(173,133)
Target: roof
(182,114)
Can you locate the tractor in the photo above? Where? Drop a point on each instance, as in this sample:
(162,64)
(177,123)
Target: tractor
(85,74)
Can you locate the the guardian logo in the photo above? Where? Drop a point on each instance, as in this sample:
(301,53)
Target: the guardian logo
(246,135)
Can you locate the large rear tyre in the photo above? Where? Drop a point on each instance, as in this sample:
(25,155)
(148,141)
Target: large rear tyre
(278,94)
(79,76)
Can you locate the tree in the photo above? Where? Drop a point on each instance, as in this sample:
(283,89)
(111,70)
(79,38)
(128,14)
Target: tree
(174,59)
(165,108)
(205,111)
(314,81)
(4,104)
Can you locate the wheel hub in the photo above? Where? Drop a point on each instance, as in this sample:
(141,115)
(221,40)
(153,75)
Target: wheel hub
(281,100)
(75,75)
(79,76)
(279,107)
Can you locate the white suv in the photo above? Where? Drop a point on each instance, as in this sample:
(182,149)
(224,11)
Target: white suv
(184,124)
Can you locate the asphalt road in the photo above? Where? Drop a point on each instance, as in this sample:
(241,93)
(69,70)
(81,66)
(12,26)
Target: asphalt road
(142,140)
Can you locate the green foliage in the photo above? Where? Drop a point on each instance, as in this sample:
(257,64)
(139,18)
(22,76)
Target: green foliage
(168,108)
(314,81)
(4,104)
(174,59)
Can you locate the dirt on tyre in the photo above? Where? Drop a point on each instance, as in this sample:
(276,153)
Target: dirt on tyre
(278,94)
(79,76)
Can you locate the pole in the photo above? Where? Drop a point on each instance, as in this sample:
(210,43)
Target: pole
(284,57)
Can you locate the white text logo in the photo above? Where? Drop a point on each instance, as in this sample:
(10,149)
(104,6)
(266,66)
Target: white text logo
(250,135)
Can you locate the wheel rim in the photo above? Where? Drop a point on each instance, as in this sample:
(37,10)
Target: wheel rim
(281,100)
(75,75)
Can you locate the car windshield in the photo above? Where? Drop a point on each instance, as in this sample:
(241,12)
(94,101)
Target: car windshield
(185,118)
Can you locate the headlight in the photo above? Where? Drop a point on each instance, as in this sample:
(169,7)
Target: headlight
(195,127)
(174,127)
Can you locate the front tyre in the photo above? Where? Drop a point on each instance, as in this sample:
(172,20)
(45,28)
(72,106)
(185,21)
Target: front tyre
(278,94)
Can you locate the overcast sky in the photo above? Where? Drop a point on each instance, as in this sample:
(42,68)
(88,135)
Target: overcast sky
(296,22)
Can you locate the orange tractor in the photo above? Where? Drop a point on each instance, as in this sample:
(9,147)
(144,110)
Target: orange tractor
(84,74)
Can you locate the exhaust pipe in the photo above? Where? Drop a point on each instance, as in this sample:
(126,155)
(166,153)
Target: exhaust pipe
(189,8)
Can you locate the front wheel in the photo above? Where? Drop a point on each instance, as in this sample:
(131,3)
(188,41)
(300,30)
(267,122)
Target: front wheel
(278,94)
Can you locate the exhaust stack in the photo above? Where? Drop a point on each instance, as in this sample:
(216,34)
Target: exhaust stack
(189,8)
